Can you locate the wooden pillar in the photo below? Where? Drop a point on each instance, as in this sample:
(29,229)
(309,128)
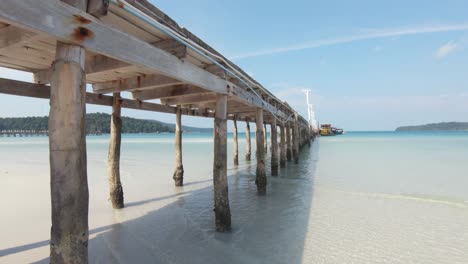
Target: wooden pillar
(236,144)
(113,169)
(288,142)
(179,170)
(67,144)
(274,148)
(265,141)
(260,180)
(282,147)
(248,152)
(220,181)
(296,139)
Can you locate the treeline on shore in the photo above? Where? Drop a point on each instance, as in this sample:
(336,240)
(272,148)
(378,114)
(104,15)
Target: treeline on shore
(444,126)
(96,122)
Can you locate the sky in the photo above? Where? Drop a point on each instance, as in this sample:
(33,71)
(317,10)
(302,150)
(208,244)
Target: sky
(371,65)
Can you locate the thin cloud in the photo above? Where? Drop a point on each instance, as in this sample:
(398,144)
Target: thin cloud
(446,49)
(358,37)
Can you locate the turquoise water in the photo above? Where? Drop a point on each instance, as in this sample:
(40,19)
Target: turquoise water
(363,197)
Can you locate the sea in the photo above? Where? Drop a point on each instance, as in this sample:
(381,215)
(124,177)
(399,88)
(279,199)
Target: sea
(362,197)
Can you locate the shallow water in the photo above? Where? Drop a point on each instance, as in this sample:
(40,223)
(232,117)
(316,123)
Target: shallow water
(362,197)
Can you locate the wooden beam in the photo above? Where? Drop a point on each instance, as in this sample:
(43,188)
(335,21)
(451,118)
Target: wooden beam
(90,33)
(173,47)
(11,36)
(98,8)
(189,99)
(220,182)
(135,83)
(168,91)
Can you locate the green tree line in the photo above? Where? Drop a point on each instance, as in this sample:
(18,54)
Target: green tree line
(96,122)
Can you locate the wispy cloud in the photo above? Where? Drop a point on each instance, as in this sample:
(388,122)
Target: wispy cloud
(374,34)
(446,49)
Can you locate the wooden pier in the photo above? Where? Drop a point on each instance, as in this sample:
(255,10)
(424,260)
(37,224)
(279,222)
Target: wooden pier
(132,47)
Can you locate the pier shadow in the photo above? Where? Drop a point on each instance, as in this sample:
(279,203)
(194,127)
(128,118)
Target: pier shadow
(265,229)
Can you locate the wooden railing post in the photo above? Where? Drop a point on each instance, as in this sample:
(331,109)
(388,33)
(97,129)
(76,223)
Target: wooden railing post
(260,180)
(220,181)
(178,175)
(115,186)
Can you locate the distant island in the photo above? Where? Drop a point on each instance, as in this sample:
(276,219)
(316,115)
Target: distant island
(97,122)
(444,126)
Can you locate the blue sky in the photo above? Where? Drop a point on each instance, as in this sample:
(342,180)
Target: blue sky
(371,65)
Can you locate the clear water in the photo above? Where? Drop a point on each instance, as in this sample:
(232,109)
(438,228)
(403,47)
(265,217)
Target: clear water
(364,197)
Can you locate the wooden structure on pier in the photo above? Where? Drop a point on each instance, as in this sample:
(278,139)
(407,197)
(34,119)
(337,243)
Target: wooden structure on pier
(130,46)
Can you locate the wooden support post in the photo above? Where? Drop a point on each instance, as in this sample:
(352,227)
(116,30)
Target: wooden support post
(67,144)
(282,147)
(296,139)
(288,142)
(248,152)
(113,170)
(236,144)
(274,148)
(179,170)
(260,180)
(265,141)
(220,181)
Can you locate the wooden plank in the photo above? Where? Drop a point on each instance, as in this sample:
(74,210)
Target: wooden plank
(135,83)
(102,39)
(169,91)
(11,36)
(173,47)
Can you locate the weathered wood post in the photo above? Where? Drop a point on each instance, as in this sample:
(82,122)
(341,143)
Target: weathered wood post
(282,147)
(178,175)
(265,141)
(67,145)
(296,139)
(248,152)
(220,181)
(260,180)
(274,148)
(113,169)
(288,142)
(236,144)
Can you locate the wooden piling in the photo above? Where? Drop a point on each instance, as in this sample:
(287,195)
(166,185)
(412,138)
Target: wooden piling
(288,142)
(274,148)
(260,180)
(248,151)
(236,144)
(68,169)
(296,139)
(265,141)
(178,175)
(282,147)
(220,182)
(113,169)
